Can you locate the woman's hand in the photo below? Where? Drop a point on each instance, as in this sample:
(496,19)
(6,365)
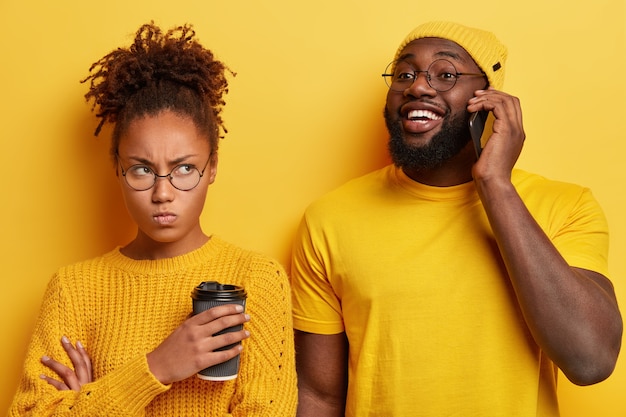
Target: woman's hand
(191,347)
(71,379)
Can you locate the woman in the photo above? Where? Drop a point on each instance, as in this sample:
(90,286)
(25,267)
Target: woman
(137,349)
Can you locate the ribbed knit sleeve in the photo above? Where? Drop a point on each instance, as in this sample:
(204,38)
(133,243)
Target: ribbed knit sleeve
(266,385)
(121,309)
(123,392)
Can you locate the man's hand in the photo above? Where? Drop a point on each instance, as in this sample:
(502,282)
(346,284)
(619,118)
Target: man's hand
(504,146)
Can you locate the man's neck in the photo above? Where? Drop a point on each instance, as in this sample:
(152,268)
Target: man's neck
(455,171)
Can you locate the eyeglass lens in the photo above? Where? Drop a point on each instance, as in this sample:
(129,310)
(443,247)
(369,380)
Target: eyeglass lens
(441,75)
(183,177)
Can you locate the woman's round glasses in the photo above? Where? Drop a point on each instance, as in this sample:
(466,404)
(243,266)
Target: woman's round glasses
(183,177)
(441,75)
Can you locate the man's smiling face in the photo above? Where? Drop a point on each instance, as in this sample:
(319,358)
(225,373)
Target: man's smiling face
(428,127)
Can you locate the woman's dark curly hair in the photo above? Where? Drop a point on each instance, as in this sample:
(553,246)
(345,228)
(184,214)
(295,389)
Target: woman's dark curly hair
(159,71)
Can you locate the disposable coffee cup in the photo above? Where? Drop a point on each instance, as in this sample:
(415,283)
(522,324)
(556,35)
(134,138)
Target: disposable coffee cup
(210,294)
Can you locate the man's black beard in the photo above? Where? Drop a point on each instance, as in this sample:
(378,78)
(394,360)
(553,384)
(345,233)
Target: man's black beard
(452,138)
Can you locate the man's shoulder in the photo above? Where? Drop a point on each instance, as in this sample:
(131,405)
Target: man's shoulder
(523,178)
(535,187)
(356,187)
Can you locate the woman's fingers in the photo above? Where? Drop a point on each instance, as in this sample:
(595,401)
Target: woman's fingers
(70,378)
(198,342)
(80,360)
(57,384)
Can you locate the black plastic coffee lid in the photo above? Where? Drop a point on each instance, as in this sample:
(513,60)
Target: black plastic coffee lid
(213,290)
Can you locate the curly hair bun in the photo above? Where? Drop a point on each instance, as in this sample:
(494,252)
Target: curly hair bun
(159,71)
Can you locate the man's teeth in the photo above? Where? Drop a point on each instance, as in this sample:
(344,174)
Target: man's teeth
(423,114)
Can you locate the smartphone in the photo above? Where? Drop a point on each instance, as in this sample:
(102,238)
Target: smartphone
(481,129)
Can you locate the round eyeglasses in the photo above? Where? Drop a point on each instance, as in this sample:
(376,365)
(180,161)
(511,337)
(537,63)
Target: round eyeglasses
(441,75)
(183,177)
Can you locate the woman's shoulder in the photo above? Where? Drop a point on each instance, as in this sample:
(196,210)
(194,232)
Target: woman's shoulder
(230,249)
(250,263)
(79,275)
(89,263)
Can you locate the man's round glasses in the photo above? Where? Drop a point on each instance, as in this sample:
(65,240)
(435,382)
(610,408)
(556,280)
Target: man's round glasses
(441,75)
(183,177)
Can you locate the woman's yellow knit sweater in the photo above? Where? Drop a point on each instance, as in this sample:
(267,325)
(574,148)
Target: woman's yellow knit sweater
(121,309)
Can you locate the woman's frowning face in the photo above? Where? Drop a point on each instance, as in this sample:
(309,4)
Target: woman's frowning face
(168,218)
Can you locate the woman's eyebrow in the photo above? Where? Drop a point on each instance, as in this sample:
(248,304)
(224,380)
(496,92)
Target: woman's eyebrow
(175,161)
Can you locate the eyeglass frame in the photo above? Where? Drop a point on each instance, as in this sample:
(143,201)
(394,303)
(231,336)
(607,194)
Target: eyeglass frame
(157,176)
(457,74)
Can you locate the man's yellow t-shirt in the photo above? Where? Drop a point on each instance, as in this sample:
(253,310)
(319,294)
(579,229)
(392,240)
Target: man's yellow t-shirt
(413,275)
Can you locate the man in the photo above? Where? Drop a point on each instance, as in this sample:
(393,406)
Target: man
(446,284)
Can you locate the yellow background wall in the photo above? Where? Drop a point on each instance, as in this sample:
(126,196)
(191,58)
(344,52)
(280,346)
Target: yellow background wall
(304,115)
